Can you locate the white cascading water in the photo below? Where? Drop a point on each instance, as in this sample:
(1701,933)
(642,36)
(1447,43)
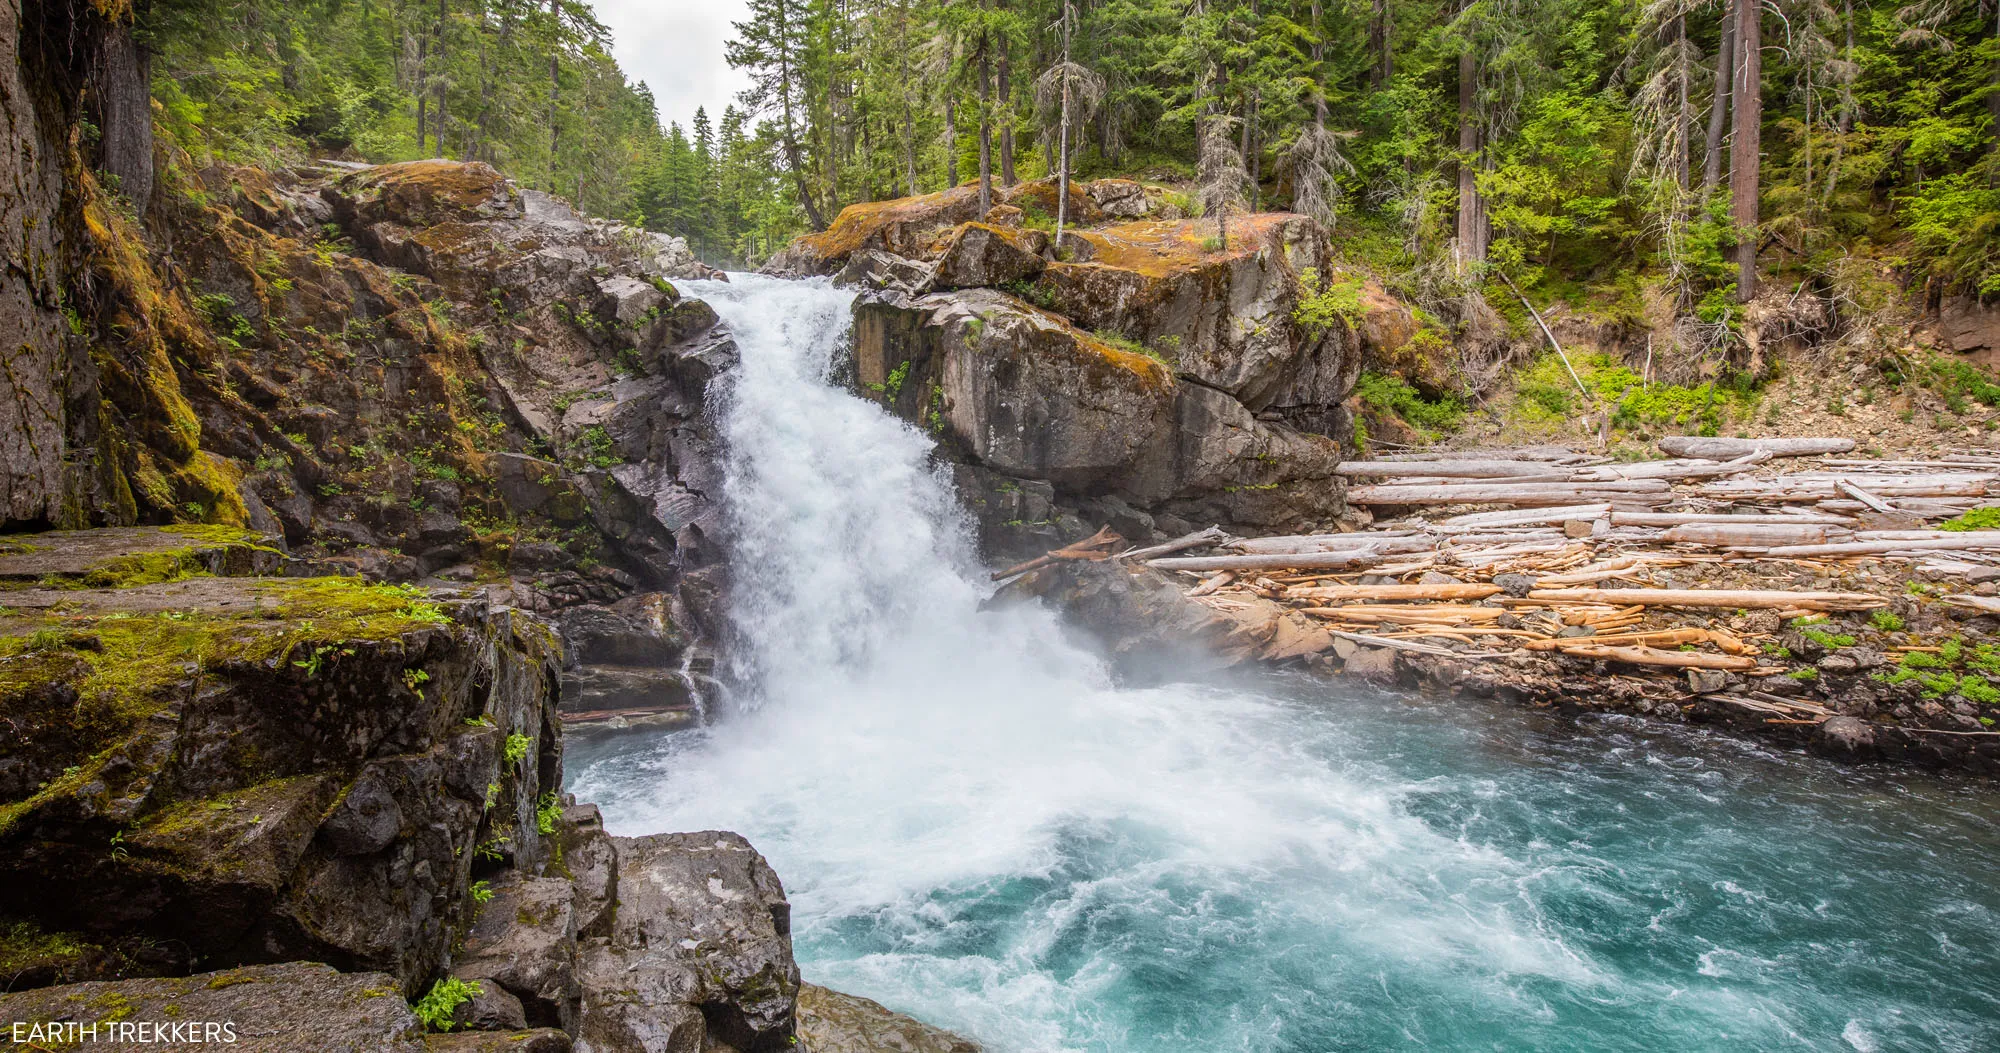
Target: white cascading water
(974,825)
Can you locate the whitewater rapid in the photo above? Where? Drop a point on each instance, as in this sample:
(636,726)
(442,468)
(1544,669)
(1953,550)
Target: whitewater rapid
(976,826)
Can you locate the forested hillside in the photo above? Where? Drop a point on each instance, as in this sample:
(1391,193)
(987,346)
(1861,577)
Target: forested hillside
(1562,144)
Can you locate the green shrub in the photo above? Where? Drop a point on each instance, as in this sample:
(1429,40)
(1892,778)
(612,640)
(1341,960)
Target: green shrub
(1386,393)
(438,1005)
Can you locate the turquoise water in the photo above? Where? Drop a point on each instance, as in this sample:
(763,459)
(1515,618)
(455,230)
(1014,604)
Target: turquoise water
(975,825)
(1493,880)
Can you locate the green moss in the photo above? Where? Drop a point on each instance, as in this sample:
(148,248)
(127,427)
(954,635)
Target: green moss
(1974,519)
(25,946)
(1388,394)
(134,662)
(438,1005)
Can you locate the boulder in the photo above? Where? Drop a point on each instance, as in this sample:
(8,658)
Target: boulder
(523,940)
(1221,316)
(292,1008)
(701,941)
(314,786)
(918,227)
(984,254)
(1020,392)
(831,1022)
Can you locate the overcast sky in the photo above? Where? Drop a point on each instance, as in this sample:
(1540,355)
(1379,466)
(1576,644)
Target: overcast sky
(675,46)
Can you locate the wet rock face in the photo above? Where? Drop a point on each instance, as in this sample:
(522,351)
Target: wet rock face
(831,1022)
(316,789)
(703,921)
(292,1008)
(1028,398)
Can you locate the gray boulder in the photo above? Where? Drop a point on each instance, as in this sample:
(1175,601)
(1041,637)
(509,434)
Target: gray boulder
(297,1007)
(832,1022)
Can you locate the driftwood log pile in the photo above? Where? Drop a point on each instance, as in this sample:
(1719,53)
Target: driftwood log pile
(1500,553)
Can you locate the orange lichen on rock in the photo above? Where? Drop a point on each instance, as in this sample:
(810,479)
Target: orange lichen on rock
(435,191)
(891,224)
(1161,248)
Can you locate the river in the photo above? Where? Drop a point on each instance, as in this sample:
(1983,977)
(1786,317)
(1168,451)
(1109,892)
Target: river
(977,826)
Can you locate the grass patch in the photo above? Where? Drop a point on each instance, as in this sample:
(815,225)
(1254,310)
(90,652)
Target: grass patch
(1387,394)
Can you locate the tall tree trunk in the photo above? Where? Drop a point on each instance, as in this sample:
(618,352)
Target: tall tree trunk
(1683,118)
(985,129)
(555,87)
(1846,124)
(1718,109)
(950,140)
(1006,113)
(1062,134)
(1318,79)
(1746,144)
(443,122)
(791,143)
(121,84)
(1380,25)
(423,92)
(1472,222)
(1254,156)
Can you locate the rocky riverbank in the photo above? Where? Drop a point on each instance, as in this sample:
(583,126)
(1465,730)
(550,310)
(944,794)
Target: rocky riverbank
(328,815)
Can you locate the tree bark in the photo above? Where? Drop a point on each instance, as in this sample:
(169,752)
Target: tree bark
(1746,145)
(1718,110)
(1683,121)
(1380,26)
(122,85)
(1472,222)
(443,121)
(1006,95)
(985,129)
(950,140)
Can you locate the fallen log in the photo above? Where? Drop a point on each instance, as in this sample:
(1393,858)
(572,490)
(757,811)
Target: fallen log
(1748,599)
(1660,638)
(1754,535)
(1442,469)
(1406,615)
(1503,493)
(1283,546)
(1642,655)
(1096,546)
(1688,469)
(1721,449)
(1862,496)
(1397,592)
(1305,561)
(1214,535)
(1965,541)
(1528,517)
(1670,519)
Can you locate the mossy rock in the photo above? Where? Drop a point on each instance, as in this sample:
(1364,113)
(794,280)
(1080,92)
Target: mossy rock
(119,557)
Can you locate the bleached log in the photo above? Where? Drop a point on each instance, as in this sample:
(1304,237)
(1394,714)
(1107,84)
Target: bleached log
(1214,535)
(1748,599)
(1442,469)
(1673,519)
(1387,541)
(1760,535)
(1441,591)
(1302,561)
(1503,493)
(1529,517)
(1642,655)
(1683,469)
(1847,487)
(1957,542)
(1721,449)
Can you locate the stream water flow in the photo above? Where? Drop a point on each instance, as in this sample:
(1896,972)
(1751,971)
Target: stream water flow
(976,826)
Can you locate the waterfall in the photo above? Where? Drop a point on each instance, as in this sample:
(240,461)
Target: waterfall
(976,826)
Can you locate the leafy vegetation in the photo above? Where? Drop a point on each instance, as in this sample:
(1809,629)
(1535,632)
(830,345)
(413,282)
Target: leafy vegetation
(438,1005)
(1392,395)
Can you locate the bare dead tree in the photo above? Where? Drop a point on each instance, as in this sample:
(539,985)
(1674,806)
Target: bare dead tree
(1220,177)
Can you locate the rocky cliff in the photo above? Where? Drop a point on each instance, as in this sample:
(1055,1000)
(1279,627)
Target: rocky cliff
(1144,372)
